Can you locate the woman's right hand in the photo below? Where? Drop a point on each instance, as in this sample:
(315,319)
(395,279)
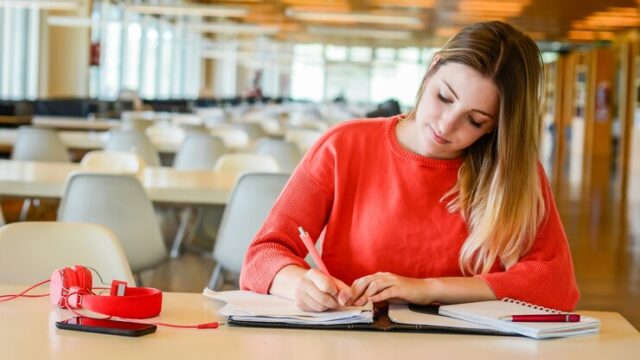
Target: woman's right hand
(316,291)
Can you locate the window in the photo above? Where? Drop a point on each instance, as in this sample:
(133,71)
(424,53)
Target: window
(19,52)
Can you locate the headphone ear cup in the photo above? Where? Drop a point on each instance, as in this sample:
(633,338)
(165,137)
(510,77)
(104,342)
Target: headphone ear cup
(60,283)
(85,280)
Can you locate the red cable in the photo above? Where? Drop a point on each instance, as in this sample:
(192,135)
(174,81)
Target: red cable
(22,294)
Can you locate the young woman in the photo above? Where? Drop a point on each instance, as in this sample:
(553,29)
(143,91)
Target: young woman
(446,204)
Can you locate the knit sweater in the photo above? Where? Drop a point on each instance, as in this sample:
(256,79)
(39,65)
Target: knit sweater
(382,208)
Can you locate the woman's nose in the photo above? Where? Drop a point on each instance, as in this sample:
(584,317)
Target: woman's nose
(449,122)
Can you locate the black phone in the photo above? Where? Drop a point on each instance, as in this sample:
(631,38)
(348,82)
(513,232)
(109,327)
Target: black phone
(103,326)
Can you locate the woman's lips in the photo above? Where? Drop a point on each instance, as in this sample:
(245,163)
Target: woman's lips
(436,138)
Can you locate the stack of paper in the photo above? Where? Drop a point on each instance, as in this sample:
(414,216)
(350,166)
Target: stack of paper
(250,306)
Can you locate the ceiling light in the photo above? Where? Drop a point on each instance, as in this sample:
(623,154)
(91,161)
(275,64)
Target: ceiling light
(362,33)
(387,19)
(235,28)
(193,10)
(40,4)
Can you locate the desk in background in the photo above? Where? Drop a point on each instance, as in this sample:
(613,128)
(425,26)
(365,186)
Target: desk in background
(35,179)
(28,332)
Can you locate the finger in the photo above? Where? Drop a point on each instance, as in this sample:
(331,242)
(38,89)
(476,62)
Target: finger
(387,294)
(322,282)
(344,292)
(326,300)
(359,286)
(375,287)
(307,303)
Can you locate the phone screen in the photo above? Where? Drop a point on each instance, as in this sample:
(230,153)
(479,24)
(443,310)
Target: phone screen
(101,326)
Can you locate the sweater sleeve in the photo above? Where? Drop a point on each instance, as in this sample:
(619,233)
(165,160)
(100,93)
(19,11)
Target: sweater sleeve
(305,201)
(544,275)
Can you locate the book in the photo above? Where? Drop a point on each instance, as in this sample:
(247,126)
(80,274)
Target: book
(489,313)
(246,308)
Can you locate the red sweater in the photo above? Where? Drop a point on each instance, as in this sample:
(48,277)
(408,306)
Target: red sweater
(382,210)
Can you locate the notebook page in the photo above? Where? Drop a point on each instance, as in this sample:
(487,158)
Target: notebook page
(401,314)
(490,312)
(251,305)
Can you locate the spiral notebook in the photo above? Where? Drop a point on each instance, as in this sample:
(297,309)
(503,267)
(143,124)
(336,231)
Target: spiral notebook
(488,313)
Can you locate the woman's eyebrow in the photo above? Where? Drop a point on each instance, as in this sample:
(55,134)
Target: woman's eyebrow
(456,96)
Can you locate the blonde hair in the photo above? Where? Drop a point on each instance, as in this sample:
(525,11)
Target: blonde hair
(498,190)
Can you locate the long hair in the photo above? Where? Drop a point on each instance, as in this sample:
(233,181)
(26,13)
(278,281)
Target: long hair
(498,191)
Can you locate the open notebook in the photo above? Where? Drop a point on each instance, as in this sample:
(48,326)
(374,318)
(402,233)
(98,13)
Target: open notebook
(488,313)
(245,308)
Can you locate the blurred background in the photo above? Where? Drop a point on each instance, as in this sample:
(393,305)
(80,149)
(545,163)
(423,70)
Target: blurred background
(306,65)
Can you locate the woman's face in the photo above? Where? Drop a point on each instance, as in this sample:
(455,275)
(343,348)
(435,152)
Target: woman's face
(458,106)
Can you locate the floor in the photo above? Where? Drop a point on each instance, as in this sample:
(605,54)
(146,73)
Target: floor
(604,240)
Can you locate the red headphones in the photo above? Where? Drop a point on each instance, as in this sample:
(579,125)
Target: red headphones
(71,288)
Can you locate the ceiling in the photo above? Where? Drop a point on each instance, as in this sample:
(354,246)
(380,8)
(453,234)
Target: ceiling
(430,22)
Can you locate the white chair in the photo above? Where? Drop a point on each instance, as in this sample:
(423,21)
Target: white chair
(234,138)
(250,203)
(118,162)
(121,140)
(199,152)
(120,203)
(167,135)
(236,164)
(286,154)
(37,144)
(31,251)
(253,129)
(303,138)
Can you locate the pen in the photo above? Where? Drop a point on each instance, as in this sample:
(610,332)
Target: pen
(543,318)
(308,243)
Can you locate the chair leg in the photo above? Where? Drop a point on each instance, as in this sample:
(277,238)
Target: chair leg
(185,218)
(215,277)
(24,212)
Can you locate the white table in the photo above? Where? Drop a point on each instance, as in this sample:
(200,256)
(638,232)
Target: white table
(74,123)
(28,331)
(47,179)
(86,140)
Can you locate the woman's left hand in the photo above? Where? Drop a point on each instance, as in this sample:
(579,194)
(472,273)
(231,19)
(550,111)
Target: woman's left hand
(384,286)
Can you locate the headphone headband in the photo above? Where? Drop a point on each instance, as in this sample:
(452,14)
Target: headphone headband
(71,287)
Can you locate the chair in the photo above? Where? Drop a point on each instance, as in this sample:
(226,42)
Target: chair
(166,134)
(37,144)
(234,138)
(286,154)
(118,162)
(253,129)
(31,251)
(250,203)
(235,164)
(199,152)
(303,138)
(120,203)
(121,140)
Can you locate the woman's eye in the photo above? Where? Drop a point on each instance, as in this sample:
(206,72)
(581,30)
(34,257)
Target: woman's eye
(444,99)
(473,122)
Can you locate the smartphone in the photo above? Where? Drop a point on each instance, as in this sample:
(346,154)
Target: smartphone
(101,326)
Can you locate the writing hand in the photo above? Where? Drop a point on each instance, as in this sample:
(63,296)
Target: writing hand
(316,291)
(384,286)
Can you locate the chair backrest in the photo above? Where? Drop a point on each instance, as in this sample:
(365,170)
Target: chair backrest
(121,140)
(118,162)
(234,138)
(303,138)
(31,251)
(250,203)
(253,129)
(199,152)
(236,164)
(39,144)
(286,154)
(166,134)
(120,203)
